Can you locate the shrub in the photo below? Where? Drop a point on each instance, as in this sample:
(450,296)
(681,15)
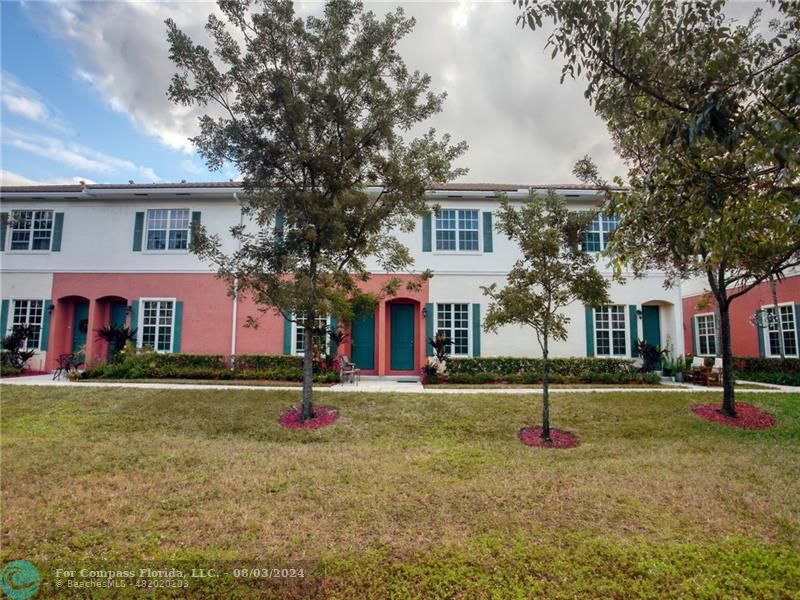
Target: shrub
(8,371)
(505,366)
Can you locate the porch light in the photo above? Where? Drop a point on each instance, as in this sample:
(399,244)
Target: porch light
(128,309)
(51,308)
(425,311)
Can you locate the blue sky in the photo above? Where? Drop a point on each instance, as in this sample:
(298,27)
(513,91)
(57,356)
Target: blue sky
(84,92)
(57,127)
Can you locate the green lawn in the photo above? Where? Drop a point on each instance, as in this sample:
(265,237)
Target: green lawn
(405,496)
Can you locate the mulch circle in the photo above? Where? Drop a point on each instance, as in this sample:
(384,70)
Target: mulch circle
(747,416)
(323,416)
(532,436)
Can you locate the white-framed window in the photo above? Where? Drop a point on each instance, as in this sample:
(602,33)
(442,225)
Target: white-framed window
(31,230)
(772,333)
(156,323)
(705,328)
(320,338)
(453,320)
(458,230)
(598,233)
(610,331)
(28,312)
(168,228)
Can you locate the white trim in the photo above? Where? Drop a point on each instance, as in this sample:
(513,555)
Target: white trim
(696,340)
(765,331)
(470,347)
(29,250)
(10,318)
(458,252)
(294,335)
(140,324)
(168,229)
(626,315)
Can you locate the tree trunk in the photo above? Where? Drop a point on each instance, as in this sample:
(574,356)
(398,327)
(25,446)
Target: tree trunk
(545,393)
(728,401)
(308,366)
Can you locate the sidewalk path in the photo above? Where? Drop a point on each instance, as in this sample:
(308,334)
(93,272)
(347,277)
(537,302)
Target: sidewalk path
(387,386)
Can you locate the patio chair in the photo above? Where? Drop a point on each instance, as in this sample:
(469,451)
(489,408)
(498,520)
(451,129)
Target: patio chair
(67,363)
(348,370)
(697,370)
(714,374)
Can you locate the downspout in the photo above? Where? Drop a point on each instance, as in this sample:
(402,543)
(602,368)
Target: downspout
(235,317)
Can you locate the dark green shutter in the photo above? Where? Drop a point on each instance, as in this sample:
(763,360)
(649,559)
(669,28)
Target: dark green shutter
(589,331)
(476,328)
(45,325)
(428,329)
(3,318)
(287,333)
(135,319)
(3,227)
(487,232)
(760,332)
(333,347)
(279,221)
(138,232)
(634,330)
(58,226)
(426,233)
(692,342)
(178,329)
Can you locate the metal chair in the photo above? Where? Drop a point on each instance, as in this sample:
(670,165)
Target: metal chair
(67,363)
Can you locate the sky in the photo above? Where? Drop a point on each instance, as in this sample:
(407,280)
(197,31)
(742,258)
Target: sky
(83,93)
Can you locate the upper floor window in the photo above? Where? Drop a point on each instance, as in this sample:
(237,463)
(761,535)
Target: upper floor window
(158,324)
(452,320)
(788,327)
(706,331)
(597,234)
(457,230)
(168,229)
(28,312)
(31,229)
(319,334)
(610,330)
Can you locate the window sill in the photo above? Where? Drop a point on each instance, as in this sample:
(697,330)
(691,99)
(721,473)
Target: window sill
(174,252)
(28,252)
(457,253)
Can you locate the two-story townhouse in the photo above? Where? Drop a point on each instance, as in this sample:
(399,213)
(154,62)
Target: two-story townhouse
(76,258)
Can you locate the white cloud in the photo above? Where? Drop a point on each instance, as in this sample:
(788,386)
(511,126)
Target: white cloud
(76,156)
(10,178)
(21,100)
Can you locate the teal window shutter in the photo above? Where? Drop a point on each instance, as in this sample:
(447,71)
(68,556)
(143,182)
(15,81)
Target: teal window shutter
(760,333)
(333,347)
(426,233)
(287,333)
(634,330)
(589,331)
(3,227)
(718,334)
(428,329)
(279,221)
(487,232)
(58,226)
(45,325)
(135,318)
(476,327)
(178,328)
(138,232)
(3,318)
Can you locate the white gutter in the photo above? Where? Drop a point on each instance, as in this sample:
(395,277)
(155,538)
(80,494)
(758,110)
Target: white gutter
(235,317)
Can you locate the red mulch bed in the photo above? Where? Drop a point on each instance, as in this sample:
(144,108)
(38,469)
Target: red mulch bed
(747,416)
(323,416)
(532,436)
(27,374)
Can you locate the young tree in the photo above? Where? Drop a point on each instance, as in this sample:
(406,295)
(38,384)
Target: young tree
(552,273)
(706,115)
(311,112)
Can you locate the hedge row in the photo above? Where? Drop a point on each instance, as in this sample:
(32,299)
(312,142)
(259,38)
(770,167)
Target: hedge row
(536,378)
(527,367)
(150,365)
(766,365)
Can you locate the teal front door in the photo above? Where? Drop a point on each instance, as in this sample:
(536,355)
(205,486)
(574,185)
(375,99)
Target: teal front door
(80,325)
(363,341)
(651,327)
(401,343)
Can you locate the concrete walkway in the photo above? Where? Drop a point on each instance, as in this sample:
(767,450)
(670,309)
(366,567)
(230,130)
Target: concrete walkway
(372,386)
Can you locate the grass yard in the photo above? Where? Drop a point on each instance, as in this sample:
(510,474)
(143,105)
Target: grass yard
(404,496)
